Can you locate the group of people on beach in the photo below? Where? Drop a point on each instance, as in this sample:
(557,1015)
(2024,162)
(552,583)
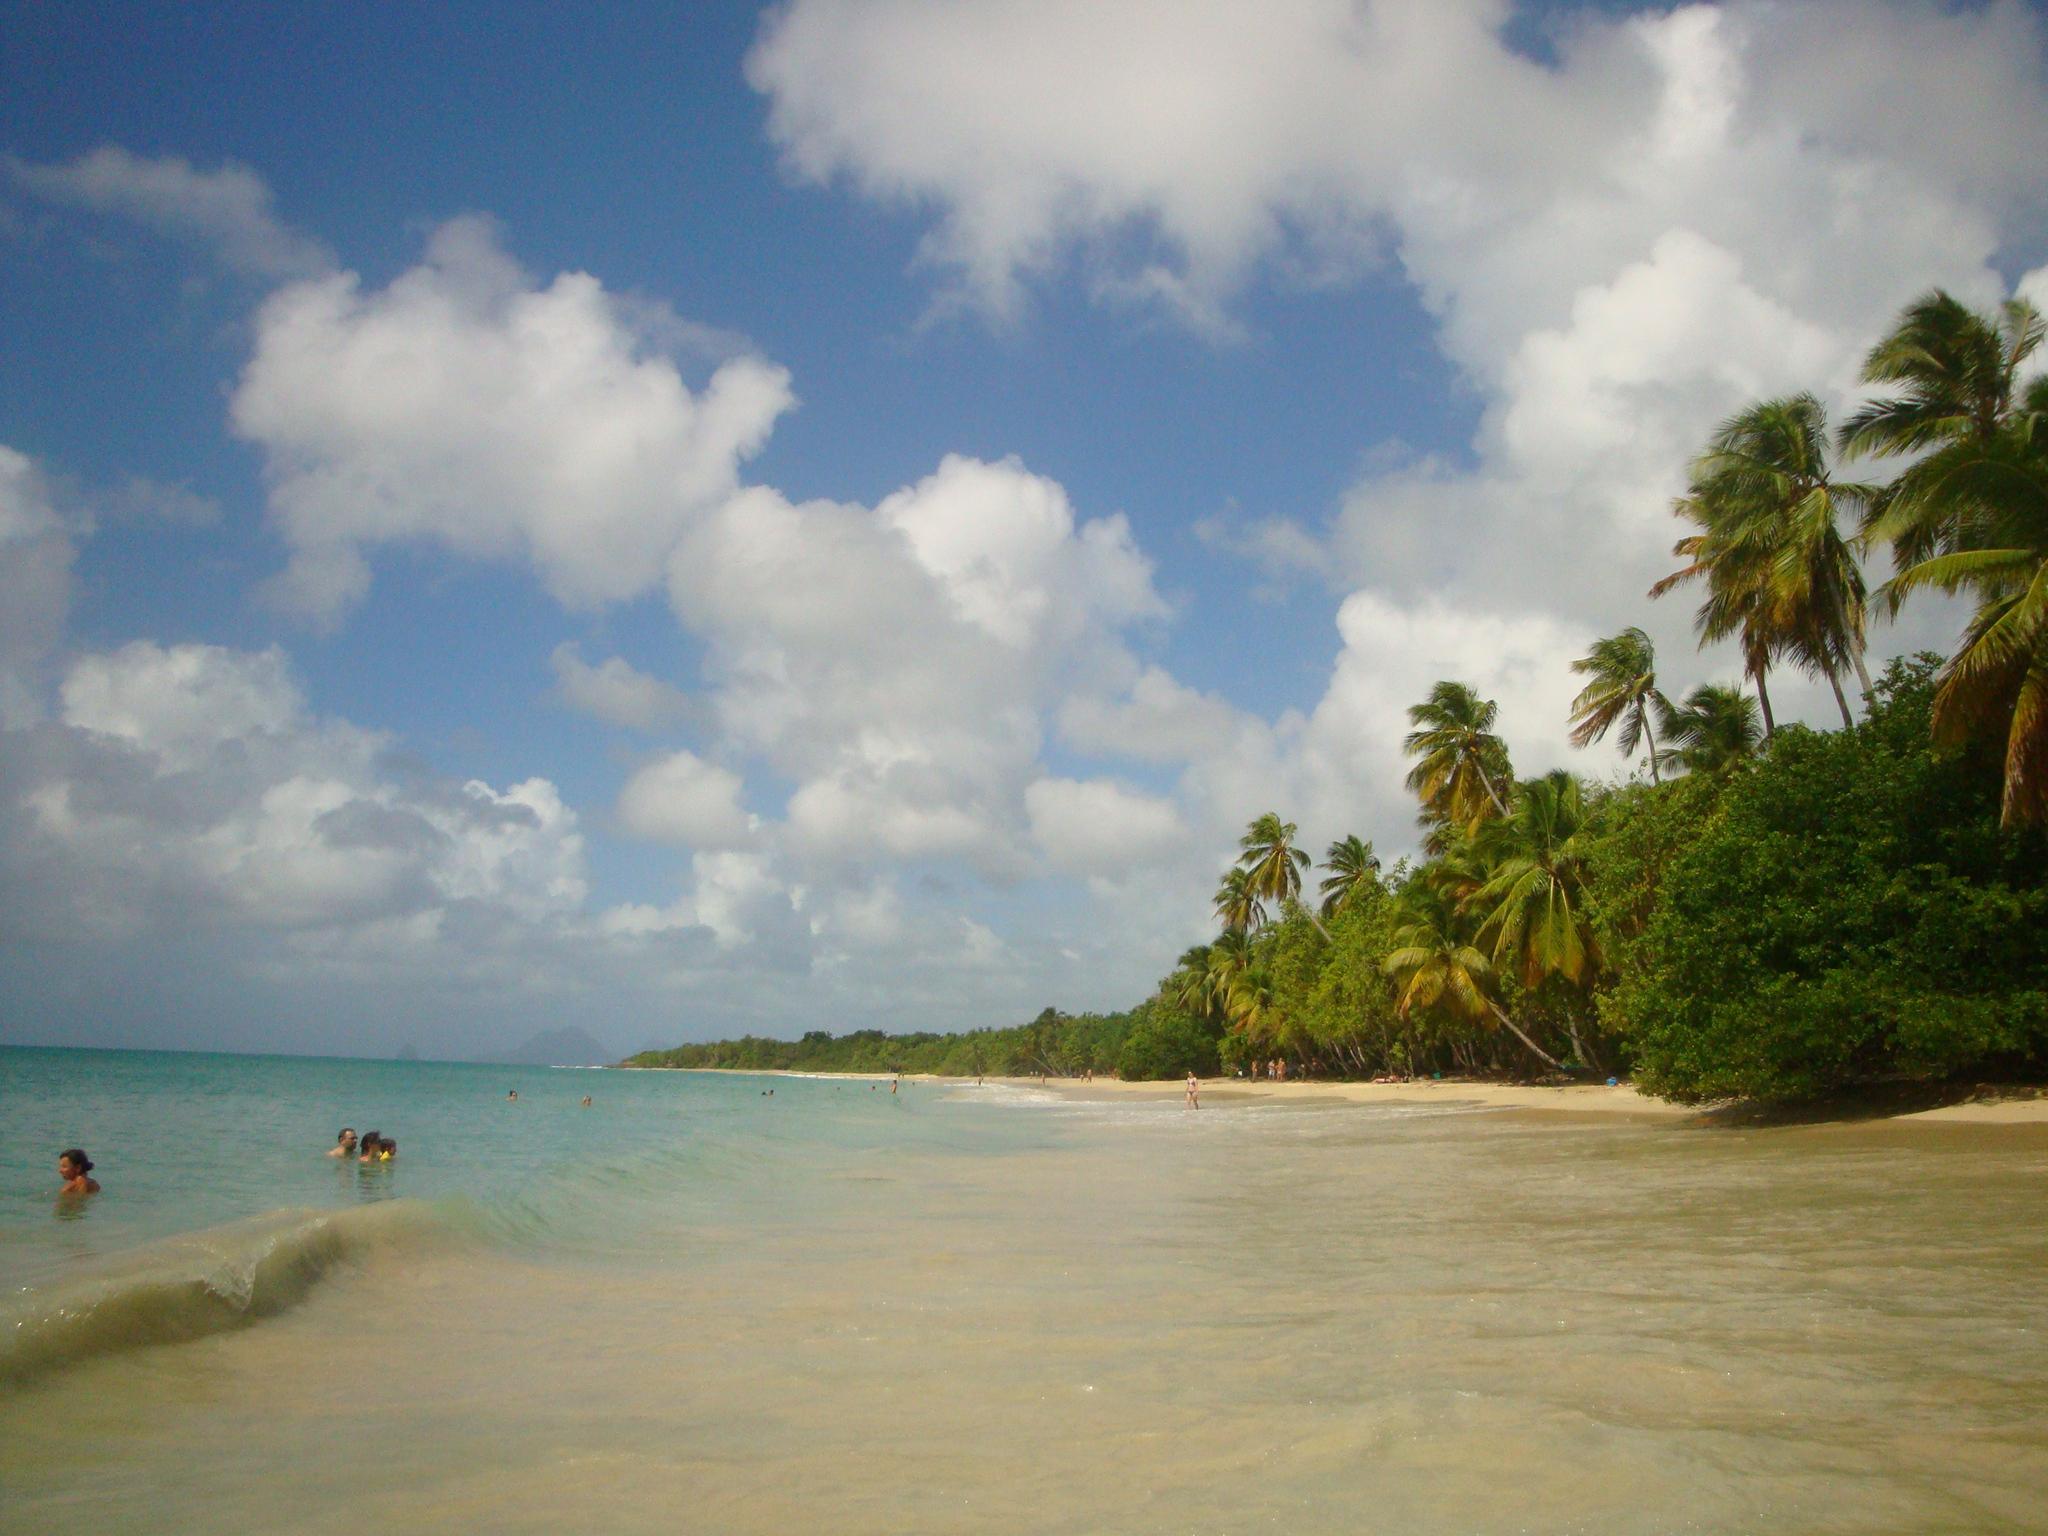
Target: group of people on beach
(370,1147)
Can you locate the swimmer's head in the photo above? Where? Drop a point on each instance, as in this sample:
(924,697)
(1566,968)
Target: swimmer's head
(347,1139)
(73,1163)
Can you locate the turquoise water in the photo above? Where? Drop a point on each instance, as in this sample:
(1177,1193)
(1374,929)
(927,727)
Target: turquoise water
(212,1167)
(694,1308)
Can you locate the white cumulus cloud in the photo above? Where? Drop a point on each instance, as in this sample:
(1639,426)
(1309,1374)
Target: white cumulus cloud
(466,406)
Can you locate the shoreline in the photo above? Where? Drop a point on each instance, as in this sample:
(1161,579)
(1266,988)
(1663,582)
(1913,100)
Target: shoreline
(1988,1105)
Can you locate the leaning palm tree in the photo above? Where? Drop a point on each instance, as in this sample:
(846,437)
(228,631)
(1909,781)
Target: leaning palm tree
(1714,730)
(1236,903)
(1460,761)
(1959,378)
(1778,568)
(1623,693)
(1433,965)
(1995,686)
(1272,864)
(1532,908)
(1354,869)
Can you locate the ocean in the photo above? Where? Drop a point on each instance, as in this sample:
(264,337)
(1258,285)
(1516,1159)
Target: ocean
(697,1307)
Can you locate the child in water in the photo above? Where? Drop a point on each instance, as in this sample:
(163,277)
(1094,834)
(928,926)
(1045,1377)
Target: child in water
(75,1169)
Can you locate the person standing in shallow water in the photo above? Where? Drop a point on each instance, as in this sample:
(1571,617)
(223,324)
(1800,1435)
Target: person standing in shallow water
(75,1169)
(344,1144)
(1194,1091)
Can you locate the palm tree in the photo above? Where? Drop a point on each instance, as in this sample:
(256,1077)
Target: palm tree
(1960,375)
(1188,986)
(1779,573)
(1237,904)
(1273,865)
(1623,692)
(1434,966)
(1993,544)
(1533,903)
(1354,869)
(1712,731)
(1459,757)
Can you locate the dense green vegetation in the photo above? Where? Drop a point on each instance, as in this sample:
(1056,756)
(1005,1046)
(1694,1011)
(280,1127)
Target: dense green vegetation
(1775,913)
(1148,1041)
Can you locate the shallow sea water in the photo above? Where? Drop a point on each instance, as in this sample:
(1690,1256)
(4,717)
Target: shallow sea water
(964,1311)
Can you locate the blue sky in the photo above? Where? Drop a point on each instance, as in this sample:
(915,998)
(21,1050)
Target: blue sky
(1127,411)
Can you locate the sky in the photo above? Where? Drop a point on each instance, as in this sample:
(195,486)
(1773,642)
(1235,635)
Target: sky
(681,521)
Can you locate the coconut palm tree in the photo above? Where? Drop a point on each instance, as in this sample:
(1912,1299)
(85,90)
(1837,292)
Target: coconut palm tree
(1994,545)
(1778,570)
(1272,864)
(1959,373)
(1532,906)
(1460,761)
(1433,965)
(1237,904)
(1354,869)
(1712,731)
(1623,692)
(1188,986)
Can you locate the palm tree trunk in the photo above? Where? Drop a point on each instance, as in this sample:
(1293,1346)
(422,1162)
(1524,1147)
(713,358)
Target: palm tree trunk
(1651,736)
(1310,913)
(1862,672)
(1763,697)
(1580,1048)
(1516,1029)
(1841,703)
(1491,793)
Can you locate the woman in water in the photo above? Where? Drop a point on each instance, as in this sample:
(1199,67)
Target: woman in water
(75,1169)
(371,1144)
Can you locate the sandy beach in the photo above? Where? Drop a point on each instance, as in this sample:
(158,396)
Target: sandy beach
(1988,1105)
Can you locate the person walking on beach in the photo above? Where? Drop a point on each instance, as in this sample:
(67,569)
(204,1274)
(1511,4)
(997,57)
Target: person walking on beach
(344,1144)
(75,1169)
(1194,1090)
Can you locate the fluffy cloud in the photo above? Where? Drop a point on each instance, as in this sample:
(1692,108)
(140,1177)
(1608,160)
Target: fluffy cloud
(898,663)
(228,210)
(465,406)
(189,785)
(616,692)
(684,800)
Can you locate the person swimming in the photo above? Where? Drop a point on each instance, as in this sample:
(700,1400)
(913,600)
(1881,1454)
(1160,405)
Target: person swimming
(75,1169)
(344,1144)
(371,1144)
(586,1101)
(387,1149)
(512,1097)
